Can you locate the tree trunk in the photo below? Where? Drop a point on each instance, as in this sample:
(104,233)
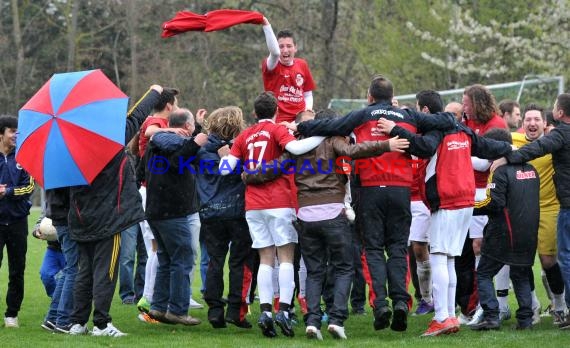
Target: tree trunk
(71,36)
(19,52)
(132,32)
(328,22)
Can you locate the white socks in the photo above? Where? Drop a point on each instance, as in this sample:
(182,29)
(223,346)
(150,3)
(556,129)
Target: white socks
(452,286)
(440,281)
(265,284)
(286,282)
(424,278)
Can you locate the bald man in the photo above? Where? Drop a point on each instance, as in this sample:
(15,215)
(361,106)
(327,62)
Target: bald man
(456,108)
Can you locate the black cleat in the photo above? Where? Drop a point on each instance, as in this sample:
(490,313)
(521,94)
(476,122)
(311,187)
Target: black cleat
(266,325)
(486,325)
(400,321)
(285,324)
(244,324)
(382,318)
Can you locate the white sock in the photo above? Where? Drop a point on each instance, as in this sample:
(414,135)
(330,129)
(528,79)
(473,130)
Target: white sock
(150,275)
(502,282)
(558,302)
(440,285)
(302,278)
(286,282)
(535,301)
(275,278)
(265,284)
(424,279)
(477,259)
(452,286)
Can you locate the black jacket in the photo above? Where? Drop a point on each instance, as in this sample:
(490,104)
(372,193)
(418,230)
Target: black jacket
(112,202)
(57,205)
(557,142)
(512,205)
(15,204)
(170,193)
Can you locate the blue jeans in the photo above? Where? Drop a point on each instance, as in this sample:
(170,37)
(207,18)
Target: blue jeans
(127,262)
(563,241)
(61,310)
(51,265)
(172,285)
(204,260)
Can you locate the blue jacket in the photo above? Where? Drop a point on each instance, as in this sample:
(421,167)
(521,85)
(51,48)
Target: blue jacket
(15,204)
(221,197)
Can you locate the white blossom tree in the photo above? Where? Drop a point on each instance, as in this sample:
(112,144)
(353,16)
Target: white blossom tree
(497,50)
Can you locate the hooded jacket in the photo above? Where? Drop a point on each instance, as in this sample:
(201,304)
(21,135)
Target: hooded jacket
(112,202)
(512,205)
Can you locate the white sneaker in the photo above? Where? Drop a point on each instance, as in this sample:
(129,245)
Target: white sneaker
(337,331)
(313,333)
(11,322)
(78,329)
(195,305)
(477,317)
(110,330)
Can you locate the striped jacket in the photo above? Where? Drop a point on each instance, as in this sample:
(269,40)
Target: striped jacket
(15,204)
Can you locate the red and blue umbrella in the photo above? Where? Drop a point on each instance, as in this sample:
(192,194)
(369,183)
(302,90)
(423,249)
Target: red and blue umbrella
(71,128)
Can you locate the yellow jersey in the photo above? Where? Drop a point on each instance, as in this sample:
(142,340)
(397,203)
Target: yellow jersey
(543,165)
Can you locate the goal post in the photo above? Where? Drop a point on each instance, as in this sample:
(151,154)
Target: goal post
(542,90)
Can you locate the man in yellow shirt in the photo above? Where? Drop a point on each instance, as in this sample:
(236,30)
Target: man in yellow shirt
(534,123)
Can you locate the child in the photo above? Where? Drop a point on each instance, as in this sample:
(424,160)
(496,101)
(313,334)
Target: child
(510,236)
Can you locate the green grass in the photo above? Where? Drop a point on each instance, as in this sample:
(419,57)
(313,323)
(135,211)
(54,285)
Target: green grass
(358,328)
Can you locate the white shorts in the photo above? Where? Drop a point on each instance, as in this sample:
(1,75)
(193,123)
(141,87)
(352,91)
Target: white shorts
(478,223)
(419,229)
(448,229)
(145,228)
(270,227)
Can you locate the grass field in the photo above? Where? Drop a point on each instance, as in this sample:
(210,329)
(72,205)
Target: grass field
(358,328)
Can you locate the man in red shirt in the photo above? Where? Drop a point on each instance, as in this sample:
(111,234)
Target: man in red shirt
(480,107)
(289,78)
(270,209)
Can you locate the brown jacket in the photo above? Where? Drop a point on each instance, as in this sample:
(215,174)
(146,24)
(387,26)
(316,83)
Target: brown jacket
(319,174)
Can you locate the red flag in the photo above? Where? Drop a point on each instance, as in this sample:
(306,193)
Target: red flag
(211,21)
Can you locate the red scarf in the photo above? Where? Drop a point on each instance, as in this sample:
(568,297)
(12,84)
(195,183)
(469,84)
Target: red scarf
(215,20)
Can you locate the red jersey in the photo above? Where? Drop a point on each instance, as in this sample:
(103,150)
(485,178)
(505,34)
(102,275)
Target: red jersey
(480,129)
(288,83)
(263,143)
(151,120)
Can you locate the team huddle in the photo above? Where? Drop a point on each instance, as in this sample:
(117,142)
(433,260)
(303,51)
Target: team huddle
(310,204)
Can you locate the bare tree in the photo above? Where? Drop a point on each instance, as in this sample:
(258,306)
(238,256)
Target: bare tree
(19,51)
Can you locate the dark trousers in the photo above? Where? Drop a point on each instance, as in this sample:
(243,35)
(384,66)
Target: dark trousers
(316,238)
(96,280)
(466,295)
(487,269)
(358,292)
(384,218)
(15,238)
(221,236)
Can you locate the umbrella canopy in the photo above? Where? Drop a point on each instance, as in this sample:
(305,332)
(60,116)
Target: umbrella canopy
(71,128)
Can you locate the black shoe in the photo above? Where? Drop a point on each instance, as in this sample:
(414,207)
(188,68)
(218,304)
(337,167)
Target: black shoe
(63,328)
(217,322)
(400,321)
(244,324)
(266,325)
(285,324)
(486,325)
(48,325)
(523,327)
(358,311)
(382,318)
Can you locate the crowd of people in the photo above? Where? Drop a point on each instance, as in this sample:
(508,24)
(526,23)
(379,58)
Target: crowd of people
(309,204)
